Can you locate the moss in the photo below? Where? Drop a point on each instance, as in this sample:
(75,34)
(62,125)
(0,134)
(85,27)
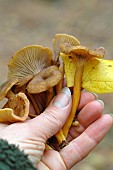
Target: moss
(11,158)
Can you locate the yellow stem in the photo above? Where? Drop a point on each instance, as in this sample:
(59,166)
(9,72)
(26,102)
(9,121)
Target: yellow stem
(60,136)
(76,95)
(47,147)
(32,115)
(59,86)
(10,94)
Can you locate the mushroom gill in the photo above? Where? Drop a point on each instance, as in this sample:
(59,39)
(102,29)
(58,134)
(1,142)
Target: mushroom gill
(60,39)
(29,61)
(25,64)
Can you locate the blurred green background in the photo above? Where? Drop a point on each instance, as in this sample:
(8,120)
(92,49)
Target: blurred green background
(26,22)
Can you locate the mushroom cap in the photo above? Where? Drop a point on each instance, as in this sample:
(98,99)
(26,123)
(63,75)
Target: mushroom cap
(25,80)
(6,86)
(44,80)
(29,61)
(61,39)
(16,109)
(101,50)
(81,51)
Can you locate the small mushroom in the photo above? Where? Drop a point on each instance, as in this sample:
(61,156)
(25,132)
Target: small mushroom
(44,80)
(17,106)
(58,41)
(26,63)
(61,39)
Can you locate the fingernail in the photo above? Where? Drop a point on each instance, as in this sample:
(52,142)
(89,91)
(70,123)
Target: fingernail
(95,95)
(63,98)
(101,102)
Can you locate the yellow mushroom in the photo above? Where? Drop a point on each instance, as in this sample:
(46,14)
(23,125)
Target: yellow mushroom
(57,42)
(79,55)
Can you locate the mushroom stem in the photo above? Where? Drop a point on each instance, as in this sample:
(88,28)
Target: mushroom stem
(32,115)
(10,94)
(40,100)
(49,95)
(60,136)
(47,147)
(75,96)
(31,97)
(59,86)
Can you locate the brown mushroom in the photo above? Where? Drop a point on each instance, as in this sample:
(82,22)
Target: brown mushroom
(6,86)
(44,80)
(17,106)
(61,39)
(29,61)
(26,63)
(20,109)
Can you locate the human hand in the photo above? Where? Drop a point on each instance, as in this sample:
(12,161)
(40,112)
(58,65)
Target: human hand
(31,135)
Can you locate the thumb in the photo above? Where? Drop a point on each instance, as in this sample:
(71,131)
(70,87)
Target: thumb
(53,118)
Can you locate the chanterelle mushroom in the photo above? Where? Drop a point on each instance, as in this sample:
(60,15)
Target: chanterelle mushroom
(66,46)
(61,39)
(17,106)
(16,109)
(80,55)
(44,80)
(29,61)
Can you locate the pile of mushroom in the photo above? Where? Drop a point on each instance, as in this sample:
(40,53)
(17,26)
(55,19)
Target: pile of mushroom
(34,73)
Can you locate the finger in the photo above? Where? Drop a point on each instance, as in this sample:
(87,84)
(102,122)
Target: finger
(90,113)
(54,117)
(86,97)
(83,145)
(2,126)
